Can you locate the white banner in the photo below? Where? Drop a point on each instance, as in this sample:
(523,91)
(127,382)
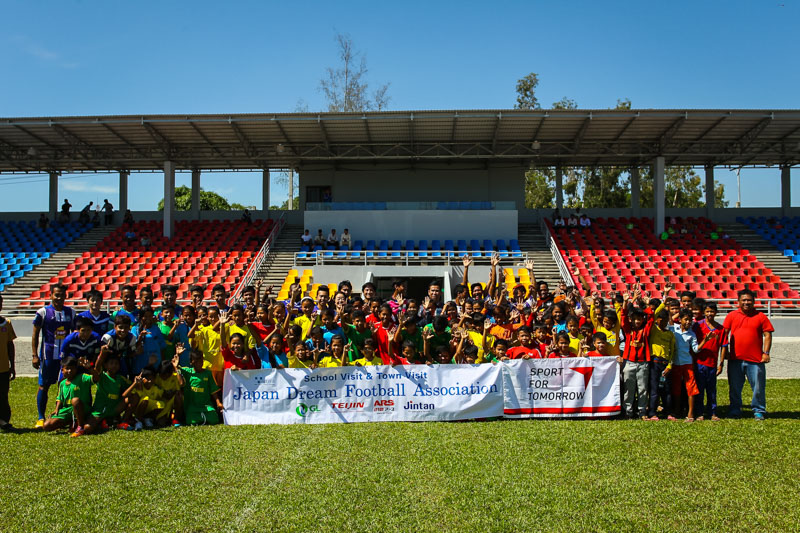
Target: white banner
(569,387)
(363,394)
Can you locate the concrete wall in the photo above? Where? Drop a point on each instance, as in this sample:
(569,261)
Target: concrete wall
(416,225)
(431,182)
(717,215)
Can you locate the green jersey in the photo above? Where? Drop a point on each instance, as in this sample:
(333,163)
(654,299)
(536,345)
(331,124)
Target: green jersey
(80,387)
(357,338)
(108,394)
(197,393)
(169,351)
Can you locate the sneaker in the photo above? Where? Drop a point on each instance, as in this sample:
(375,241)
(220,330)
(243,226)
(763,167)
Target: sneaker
(670,417)
(124,426)
(78,432)
(39,424)
(760,417)
(175,423)
(148,423)
(104,424)
(688,419)
(138,426)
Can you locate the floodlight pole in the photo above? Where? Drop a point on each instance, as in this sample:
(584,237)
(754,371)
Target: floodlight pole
(123,193)
(636,189)
(265,193)
(710,192)
(658,192)
(53,195)
(786,189)
(169,199)
(559,188)
(196,194)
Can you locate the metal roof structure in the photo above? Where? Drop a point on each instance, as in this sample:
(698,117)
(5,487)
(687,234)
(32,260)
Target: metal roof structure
(290,140)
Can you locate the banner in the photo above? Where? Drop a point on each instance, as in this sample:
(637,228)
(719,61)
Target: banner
(569,387)
(363,394)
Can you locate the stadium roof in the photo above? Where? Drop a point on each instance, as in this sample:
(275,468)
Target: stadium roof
(291,140)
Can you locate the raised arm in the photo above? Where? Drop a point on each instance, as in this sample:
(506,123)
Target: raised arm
(467,262)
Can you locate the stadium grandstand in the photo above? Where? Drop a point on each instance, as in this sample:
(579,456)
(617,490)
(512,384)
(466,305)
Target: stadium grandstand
(418,191)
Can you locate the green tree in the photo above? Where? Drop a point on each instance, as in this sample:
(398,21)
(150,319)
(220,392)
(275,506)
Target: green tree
(526,92)
(682,188)
(209,201)
(345,87)
(285,204)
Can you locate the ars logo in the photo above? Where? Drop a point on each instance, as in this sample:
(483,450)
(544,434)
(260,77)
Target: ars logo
(383,406)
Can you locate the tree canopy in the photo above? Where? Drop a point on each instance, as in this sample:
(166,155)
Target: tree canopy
(346,87)
(605,186)
(209,201)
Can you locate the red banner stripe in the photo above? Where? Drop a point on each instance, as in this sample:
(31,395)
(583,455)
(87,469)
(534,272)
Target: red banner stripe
(562,410)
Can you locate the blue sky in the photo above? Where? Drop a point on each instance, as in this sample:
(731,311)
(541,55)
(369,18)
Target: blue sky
(92,58)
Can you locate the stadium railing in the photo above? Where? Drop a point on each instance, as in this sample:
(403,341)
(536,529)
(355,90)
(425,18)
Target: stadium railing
(377,257)
(563,269)
(259,259)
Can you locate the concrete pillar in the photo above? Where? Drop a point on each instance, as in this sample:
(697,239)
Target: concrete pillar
(786,189)
(710,193)
(636,189)
(658,193)
(53,195)
(265,193)
(123,194)
(196,194)
(559,188)
(169,199)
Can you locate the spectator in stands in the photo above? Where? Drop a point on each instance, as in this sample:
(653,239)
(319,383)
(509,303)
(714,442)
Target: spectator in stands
(332,240)
(585,222)
(305,239)
(96,217)
(43,221)
(747,342)
(247,217)
(145,241)
(319,240)
(572,221)
(558,220)
(109,212)
(130,236)
(345,242)
(65,207)
(84,217)
(128,218)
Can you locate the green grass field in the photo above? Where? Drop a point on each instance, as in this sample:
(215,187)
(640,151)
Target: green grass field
(733,475)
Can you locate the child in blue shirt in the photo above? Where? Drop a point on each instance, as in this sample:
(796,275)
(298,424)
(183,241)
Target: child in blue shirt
(151,338)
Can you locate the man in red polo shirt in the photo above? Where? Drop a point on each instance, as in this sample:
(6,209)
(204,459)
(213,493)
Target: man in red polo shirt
(748,351)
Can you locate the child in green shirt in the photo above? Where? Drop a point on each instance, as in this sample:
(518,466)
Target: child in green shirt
(74,400)
(201,395)
(108,401)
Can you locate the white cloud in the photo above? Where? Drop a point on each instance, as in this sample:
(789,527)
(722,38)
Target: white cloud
(43,53)
(77,186)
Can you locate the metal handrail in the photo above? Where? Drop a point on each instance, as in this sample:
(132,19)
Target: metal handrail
(555,252)
(359,257)
(259,259)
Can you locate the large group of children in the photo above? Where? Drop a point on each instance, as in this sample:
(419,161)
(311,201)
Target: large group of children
(165,366)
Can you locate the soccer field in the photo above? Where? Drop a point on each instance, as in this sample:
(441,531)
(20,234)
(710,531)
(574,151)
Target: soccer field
(733,475)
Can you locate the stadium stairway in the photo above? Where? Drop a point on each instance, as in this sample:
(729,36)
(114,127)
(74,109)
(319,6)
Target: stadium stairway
(33,280)
(281,257)
(769,255)
(532,240)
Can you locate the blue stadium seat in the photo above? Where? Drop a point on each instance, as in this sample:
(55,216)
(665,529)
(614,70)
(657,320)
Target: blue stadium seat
(436,245)
(461,243)
(359,244)
(384,245)
(371,245)
(410,246)
(488,246)
(475,244)
(397,245)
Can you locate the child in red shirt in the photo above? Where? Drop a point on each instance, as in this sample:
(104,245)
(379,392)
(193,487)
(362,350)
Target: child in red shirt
(561,347)
(706,361)
(527,348)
